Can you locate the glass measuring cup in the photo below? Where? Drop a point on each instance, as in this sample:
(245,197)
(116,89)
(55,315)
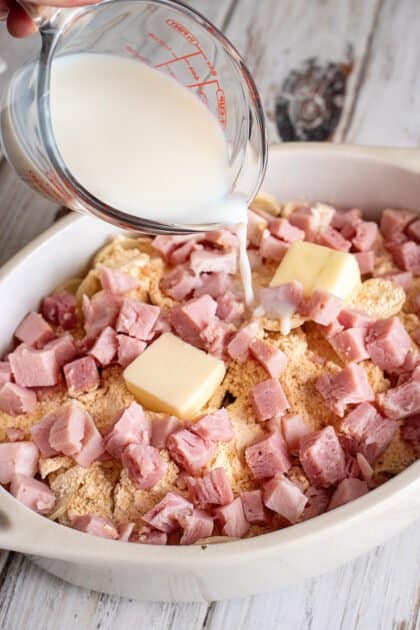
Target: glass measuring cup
(166,35)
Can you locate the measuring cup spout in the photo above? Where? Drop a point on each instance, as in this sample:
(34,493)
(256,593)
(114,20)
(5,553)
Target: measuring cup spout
(40,14)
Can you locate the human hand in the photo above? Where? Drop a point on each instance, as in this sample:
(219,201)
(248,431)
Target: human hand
(20,24)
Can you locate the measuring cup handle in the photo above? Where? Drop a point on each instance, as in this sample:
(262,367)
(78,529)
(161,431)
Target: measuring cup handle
(40,14)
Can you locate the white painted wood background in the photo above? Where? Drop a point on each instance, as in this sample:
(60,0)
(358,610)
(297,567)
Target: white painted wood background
(381,590)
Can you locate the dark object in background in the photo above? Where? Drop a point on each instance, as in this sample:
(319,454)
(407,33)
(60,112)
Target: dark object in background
(311,100)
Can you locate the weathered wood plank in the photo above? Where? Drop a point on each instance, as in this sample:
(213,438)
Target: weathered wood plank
(387,110)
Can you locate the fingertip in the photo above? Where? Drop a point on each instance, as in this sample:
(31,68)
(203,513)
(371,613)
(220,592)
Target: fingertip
(19,24)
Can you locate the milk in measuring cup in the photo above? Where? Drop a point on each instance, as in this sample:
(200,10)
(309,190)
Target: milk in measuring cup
(138,140)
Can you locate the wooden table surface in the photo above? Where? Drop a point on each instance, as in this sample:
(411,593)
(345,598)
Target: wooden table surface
(355,65)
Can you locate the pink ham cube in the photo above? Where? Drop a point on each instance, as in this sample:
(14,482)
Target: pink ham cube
(125,531)
(368,432)
(64,349)
(255,228)
(190,451)
(195,526)
(413,230)
(365,236)
(238,347)
(231,519)
(144,465)
(105,347)
(214,426)
(402,278)
(34,368)
(60,310)
(148,536)
(323,308)
(17,458)
(128,349)
(183,253)
(268,399)
(205,261)
(346,491)
(132,425)
(407,256)
(401,401)
(162,428)
(253,506)
(40,433)
(216,337)
(212,489)
(99,312)
(165,245)
(116,281)
(322,457)
(92,444)
(348,387)
(285,498)
(350,344)
(334,240)
(285,231)
(394,222)
(179,283)
(410,431)
(229,309)
(35,494)
(166,514)
(192,318)
(81,376)
(67,431)
(388,343)
(96,526)
(16,400)
(352,318)
(366,261)
(282,301)
(294,429)
(34,330)
(137,319)
(272,359)
(268,456)
(213,284)
(5,373)
(273,249)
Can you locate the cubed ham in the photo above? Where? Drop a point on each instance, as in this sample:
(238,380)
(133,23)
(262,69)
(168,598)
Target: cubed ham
(92,444)
(179,283)
(238,347)
(60,310)
(17,458)
(343,217)
(322,307)
(272,249)
(125,531)
(189,450)
(348,387)
(268,457)
(14,434)
(318,500)
(5,373)
(116,281)
(395,221)
(64,349)
(388,343)
(67,431)
(34,330)
(401,401)
(182,254)
(96,526)
(222,239)
(40,434)
(131,425)
(350,344)
(165,245)
(35,494)
(322,457)
(81,376)
(282,301)
(128,349)
(346,491)
(402,278)
(284,497)
(148,536)
(407,256)
(294,429)
(105,347)
(352,318)
(365,237)
(137,319)
(213,284)
(364,467)
(229,309)
(268,399)
(208,261)
(272,359)
(255,228)
(214,426)
(285,231)
(144,465)
(369,432)
(216,337)
(190,319)
(16,400)
(165,515)
(231,519)
(413,230)
(100,311)
(212,489)
(34,368)
(253,506)
(305,220)
(410,431)
(366,261)
(195,526)
(334,239)
(162,428)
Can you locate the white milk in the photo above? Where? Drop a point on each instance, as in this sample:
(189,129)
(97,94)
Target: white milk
(139,141)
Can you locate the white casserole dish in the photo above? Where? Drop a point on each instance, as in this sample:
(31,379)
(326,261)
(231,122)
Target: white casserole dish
(346,176)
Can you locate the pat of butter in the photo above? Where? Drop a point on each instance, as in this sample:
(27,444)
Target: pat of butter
(318,267)
(174,377)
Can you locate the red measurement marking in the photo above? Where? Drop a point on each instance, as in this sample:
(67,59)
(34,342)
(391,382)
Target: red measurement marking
(131,51)
(184,57)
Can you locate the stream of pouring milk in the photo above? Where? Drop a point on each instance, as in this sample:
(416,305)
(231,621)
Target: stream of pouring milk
(141,142)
